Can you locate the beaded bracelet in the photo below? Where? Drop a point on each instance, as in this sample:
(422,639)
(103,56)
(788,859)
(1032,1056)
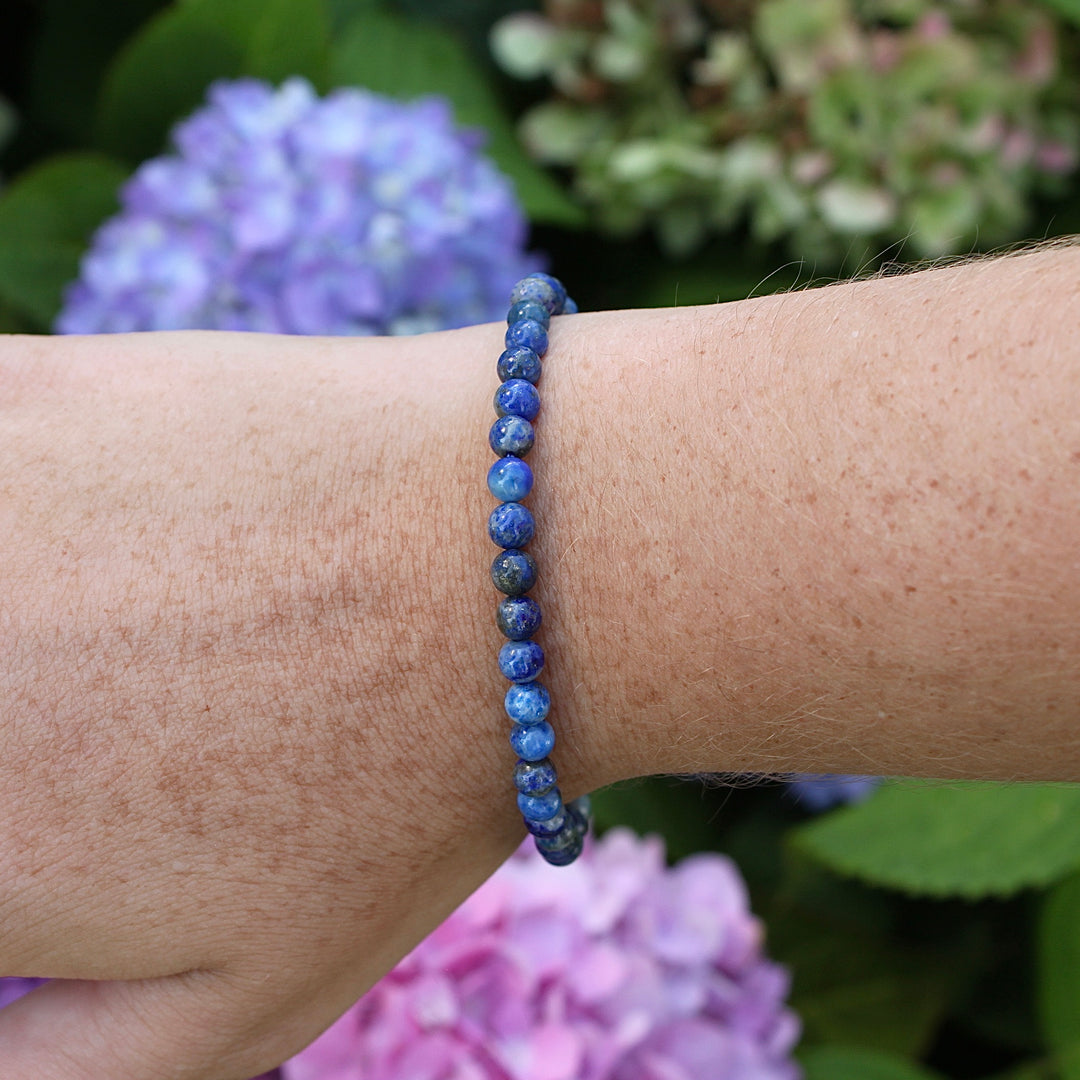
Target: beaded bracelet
(558,830)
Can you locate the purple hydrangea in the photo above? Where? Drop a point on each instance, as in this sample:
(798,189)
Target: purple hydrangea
(614,968)
(13,989)
(281,211)
(819,792)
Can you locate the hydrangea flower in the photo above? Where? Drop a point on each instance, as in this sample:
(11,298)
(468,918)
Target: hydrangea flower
(614,968)
(281,211)
(841,126)
(820,792)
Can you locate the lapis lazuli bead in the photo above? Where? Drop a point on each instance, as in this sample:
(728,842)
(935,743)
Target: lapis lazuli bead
(562,848)
(517,397)
(534,741)
(540,807)
(557,287)
(535,777)
(511,525)
(511,435)
(513,572)
(539,289)
(510,479)
(529,333)
(518,617)
(552,827)
(528,309)
(581,808)
(520,363)
(521,661)
(527,703)
(569,307)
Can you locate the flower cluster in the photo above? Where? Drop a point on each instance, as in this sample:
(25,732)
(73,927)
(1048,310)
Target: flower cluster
(283,212)
(840,126)
(614,968)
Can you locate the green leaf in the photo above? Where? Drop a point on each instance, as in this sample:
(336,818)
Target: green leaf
(162,74)
(406,59)
(46,217)
(846,1063)
(1070,9)
(1059,973)
(960,839)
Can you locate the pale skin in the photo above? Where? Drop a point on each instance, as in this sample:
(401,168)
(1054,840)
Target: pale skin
(253,747)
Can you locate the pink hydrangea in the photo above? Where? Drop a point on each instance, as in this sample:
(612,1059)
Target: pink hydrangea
(614,968)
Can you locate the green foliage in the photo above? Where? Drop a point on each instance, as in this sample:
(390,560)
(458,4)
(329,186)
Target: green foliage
(406,59)
(46,217)
(966,840)
(844,1063)
(1059,973)
(163,72)
(1070,9)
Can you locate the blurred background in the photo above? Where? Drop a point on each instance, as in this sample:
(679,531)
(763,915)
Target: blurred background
(353,167)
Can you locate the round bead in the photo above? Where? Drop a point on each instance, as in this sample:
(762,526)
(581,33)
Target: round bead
(556,285)
(513,572)
(511,525)
(528,309)
(550,827)
(581,808)
(517,397)
(521,661)
(535,777)
(518,617)
(529,333)
(569,307)
(540,807)
(520,363)
(511,435)
(510,479)
(562,848)
(538,289)
(527,703)
(533,742)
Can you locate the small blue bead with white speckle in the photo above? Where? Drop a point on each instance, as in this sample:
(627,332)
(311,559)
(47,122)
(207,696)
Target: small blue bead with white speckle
(510,479)
(533,742)
(520,363)
(535,777)
(518,617)
(551,827)
(511,435)
(528,309)
(562,848)
(511,525)
(513,572)
(540,807)
(529,333)
(569,307)
(517,397)
(527,703)
(538,288)
(521,661)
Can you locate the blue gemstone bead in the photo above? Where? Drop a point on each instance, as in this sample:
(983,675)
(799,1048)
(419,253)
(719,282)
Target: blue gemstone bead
(513,572)
(529,333)
(511,435)
(556,285)
(521,661)
(569,307)
(533,742)
(551,827)
(535,777)
(511,525)
(510,479)
(536,288)
(562,848)
(527,703)
(528,309)
(518,617)
(520,363)
(540,807)
(581,807)
(517,397)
